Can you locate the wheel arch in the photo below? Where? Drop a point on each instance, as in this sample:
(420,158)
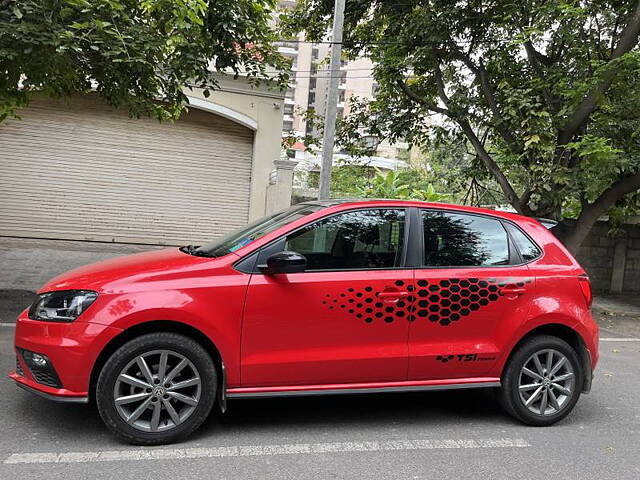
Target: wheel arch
(154,326)
(569,335)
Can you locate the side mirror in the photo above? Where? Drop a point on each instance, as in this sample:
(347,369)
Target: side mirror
(285,262)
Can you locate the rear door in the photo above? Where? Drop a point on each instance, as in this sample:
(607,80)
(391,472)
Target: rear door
(343,320)
(471,284)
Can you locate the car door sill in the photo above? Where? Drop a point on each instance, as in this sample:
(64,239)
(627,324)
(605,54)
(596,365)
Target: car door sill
(354,388)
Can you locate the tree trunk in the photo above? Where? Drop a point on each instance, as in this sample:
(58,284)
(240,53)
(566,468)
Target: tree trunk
(572,233)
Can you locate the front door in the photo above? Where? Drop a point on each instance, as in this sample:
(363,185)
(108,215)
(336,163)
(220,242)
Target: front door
(472,282)
(343,320)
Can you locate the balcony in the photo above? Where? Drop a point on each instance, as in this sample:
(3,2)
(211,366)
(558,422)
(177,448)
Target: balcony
(291,51)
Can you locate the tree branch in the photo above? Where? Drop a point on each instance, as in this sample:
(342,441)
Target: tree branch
(591,212)
(536,59)
(628,39)
(421,100)
(486,158)
(482,76)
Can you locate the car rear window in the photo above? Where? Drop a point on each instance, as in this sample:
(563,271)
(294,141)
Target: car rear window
(456,240)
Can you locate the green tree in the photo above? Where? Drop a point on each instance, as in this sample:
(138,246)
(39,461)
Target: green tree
(385,185)
(133,53)
(546,93)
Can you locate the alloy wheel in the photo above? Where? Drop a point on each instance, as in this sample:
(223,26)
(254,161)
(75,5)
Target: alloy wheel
(547,382)
(157,391)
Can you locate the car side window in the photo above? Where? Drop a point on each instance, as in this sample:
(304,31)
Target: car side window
(457,240)
(359,239)
(528,250)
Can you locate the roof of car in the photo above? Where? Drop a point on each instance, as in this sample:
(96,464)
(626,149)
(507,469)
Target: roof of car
(413,203)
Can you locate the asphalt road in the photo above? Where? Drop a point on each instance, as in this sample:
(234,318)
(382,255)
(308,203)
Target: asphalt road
(440,435)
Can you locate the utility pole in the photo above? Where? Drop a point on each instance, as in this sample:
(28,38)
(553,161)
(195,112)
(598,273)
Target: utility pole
(328,139)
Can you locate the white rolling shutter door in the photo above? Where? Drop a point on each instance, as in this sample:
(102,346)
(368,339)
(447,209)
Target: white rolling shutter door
(82,171)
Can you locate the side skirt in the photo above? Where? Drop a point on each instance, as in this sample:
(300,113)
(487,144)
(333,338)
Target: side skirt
(355,388)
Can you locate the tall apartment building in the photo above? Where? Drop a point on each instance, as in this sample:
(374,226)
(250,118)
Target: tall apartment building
(310,79)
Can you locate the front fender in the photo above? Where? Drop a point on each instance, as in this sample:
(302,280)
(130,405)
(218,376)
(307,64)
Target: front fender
(218,320)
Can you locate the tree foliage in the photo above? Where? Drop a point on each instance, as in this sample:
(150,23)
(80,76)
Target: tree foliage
(546,93)
(131,52)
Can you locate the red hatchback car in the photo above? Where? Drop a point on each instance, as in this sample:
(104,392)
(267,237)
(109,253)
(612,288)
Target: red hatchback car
(323,298)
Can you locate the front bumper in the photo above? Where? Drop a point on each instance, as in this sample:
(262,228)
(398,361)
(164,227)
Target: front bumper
(50,393)
(72,349)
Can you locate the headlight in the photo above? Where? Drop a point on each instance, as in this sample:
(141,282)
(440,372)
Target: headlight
(62,306)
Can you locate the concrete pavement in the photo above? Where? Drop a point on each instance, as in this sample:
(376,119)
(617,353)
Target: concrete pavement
(437,435)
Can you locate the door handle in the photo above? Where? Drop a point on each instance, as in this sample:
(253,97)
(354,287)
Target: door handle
(393,295)
(513,291)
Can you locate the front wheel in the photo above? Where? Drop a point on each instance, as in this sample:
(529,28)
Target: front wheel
(542,381)
(157,388)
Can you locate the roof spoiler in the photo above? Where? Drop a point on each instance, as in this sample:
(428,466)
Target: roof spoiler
(546,222)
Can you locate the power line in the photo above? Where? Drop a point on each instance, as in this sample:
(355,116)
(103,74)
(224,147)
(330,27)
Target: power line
(380,42)
(321,70)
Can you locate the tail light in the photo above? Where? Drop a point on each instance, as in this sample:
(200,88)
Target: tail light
(585,285)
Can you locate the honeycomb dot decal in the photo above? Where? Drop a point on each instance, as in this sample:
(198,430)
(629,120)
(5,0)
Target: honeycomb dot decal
(444,301)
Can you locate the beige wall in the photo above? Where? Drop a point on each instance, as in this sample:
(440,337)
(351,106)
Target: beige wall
(359,81)
(263,107)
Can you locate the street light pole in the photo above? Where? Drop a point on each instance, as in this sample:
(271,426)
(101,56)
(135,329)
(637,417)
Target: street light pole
(328,140)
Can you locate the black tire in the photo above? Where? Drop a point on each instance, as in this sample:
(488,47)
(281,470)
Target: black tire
(180,344)
(509,395)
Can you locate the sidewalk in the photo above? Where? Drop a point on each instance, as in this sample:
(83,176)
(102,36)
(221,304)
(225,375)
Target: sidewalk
(26,264)
(617,315)
(628,305)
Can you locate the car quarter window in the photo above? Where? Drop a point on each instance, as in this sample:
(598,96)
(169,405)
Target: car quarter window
(358,239)
(457,240)
(528,250)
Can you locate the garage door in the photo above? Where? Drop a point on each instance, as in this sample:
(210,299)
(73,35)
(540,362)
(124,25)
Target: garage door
(83,171)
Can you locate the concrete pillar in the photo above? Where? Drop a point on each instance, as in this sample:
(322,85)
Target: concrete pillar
(280,186)
(619,265)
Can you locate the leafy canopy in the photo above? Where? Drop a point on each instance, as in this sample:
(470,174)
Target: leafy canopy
(546,93)
(132,52)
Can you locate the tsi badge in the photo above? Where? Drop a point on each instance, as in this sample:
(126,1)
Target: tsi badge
(463,357)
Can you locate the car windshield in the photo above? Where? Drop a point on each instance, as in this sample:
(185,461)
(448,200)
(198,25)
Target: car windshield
(239,238)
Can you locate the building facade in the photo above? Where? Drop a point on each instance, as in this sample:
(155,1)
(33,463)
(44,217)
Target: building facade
(81,170)
(310,80)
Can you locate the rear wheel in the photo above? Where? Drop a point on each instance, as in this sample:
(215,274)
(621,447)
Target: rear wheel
(156,389)
(542,381)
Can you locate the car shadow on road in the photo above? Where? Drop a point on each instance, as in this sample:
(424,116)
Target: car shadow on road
(359,412)
(250,421)
(278,416)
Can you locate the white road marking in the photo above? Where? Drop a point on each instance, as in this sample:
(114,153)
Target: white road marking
(261,450)
(3,324)
(620,339)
